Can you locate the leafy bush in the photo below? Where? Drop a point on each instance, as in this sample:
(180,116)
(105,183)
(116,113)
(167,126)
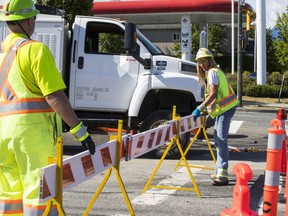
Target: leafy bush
(271,89)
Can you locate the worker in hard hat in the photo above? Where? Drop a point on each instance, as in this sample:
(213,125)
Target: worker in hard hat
(220,103)
(31,93)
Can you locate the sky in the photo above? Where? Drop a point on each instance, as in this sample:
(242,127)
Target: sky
(272,8)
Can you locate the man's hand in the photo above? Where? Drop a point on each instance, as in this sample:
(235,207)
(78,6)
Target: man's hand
(89,144)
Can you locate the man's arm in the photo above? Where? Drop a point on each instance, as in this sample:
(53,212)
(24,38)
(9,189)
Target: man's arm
(61,105)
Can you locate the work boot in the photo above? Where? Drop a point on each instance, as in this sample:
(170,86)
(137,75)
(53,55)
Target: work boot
(220,181)
(213,176)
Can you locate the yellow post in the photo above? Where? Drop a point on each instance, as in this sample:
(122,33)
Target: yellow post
(58,199)
(59,173)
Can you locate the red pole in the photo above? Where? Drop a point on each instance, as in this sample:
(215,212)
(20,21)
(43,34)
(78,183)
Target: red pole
(282,116)
(285,192)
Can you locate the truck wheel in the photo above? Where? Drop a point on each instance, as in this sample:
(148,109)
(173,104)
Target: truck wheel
(157,119)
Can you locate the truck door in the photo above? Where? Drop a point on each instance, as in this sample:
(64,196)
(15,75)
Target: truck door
(105,77)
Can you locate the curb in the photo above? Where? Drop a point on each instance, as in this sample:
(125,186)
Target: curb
(248,109)
(269,108)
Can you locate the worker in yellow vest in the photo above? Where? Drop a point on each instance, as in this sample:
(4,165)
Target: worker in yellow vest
(31,93)
(220,103)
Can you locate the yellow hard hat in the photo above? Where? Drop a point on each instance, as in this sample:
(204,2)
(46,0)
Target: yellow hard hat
(203,53)
(14,10)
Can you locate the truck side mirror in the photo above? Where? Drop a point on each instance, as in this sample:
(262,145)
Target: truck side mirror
(130,44)
(132,47)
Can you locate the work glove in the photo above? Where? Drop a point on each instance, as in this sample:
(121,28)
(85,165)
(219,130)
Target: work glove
(80,132)
(89,144)
(196,113)
(198,110)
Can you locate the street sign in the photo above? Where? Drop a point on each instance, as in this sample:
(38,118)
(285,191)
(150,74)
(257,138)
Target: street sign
(242,2)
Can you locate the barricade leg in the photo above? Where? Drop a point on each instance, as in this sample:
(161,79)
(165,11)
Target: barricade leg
(202,128)
(59,175)
(173,140)
(148,184)
(108,174)
(97,193)
(241,193)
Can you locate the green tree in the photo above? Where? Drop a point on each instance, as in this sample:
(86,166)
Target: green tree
(216,36)
(281,41)
(272,64)
(71,7)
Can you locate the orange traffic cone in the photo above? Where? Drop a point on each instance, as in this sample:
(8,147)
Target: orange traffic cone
(282,116)
(273,168)
(241,193)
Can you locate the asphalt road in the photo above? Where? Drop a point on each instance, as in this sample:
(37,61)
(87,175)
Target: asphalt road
(253,132)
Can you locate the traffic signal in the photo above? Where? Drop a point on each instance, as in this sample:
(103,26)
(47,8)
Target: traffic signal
(248,20)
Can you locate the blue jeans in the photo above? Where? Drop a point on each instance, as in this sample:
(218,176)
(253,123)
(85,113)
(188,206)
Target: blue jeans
(221,130)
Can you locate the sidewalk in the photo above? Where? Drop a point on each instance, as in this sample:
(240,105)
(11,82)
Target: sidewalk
(263,104)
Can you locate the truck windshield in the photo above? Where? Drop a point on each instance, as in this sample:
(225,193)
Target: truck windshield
(150,46)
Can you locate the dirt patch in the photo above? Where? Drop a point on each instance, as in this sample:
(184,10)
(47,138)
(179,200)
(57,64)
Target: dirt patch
(257,101)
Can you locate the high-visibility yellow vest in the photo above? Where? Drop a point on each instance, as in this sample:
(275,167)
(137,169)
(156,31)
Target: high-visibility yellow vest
(226,98)
(15,98)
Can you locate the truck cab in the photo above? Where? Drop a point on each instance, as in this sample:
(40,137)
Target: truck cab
(112,76)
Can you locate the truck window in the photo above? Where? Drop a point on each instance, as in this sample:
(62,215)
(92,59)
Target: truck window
(104,38)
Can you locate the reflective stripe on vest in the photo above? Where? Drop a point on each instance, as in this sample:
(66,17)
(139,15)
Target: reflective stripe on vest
(39,210)
(8,59)
(224,102)
(228,100)
(22,106)
(11,207)
(12,104)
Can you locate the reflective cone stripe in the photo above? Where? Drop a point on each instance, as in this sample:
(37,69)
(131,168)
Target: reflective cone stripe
(273,167)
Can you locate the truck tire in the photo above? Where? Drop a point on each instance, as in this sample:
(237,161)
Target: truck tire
(156,119)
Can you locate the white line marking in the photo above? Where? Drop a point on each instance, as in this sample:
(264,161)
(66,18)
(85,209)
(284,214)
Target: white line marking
(234,126)
(155,196)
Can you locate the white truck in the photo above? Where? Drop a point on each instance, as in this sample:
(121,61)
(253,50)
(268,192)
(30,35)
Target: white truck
(114,72)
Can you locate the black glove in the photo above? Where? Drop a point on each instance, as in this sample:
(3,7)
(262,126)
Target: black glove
(89,144)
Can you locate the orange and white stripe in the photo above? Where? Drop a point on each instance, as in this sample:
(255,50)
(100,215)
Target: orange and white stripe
(83,166)
(188,123)
(79,168)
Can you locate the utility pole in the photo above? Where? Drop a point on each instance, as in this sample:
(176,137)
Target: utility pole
(261,42)
(239,50)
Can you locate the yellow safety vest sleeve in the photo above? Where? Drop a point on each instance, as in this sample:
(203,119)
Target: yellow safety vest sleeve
(37,67)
